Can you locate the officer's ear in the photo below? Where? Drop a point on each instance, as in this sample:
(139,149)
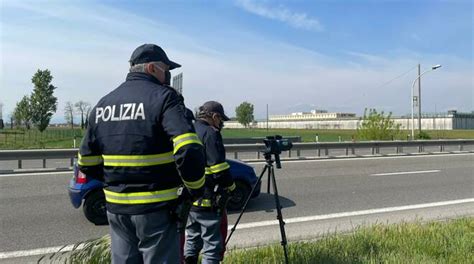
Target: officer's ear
(150,68)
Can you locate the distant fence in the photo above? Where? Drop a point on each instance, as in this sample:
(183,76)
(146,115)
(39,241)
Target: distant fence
(316,149)
(9,137)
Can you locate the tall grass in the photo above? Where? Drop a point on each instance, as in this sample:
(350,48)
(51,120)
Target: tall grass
(434,242)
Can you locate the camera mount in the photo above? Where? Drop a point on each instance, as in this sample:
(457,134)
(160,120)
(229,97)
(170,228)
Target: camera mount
(274,146)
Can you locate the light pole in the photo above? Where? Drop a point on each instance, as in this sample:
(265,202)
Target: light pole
(418,99)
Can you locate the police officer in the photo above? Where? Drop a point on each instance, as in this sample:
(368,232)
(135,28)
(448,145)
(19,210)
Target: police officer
(207,221)
(141,145)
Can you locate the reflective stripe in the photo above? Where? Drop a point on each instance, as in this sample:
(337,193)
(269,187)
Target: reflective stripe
(195,184)
(232,187)
(217,168)
(185,139)
(203,203)
(141,197)
(89,160)
(138,160)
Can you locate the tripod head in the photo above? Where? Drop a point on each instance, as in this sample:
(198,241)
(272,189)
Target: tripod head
(274,145)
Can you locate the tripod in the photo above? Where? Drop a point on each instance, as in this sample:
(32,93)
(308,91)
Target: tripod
(271,175)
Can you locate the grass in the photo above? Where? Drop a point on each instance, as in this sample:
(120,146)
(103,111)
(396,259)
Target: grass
(417,242)
(435,242)
(33,139)
(309,135)
(63,137)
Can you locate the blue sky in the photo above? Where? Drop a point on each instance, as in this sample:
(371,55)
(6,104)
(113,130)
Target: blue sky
(293,55)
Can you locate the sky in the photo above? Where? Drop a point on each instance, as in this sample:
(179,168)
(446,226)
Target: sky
(339,55)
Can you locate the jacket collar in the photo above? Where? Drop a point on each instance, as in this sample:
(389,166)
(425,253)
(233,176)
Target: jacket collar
(141,76)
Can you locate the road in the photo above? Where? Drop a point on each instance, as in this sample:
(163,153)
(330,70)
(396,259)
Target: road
(317,196)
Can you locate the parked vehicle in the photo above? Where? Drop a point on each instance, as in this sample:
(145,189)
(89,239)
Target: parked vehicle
(87,191)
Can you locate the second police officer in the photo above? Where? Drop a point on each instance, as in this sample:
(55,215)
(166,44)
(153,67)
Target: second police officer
(142,146)
(207,222)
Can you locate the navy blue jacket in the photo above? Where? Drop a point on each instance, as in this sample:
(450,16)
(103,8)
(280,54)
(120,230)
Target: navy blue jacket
(139,142)
(217,169)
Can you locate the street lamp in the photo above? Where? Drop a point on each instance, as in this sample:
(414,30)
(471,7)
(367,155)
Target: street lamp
(418,98)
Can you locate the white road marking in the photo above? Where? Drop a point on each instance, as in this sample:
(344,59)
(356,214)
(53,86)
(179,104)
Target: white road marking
(35,173)
(355,213)
(344,158)
(38,251)
(404,172)
(49,250)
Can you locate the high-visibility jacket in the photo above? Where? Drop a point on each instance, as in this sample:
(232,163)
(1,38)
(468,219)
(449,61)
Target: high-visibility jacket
(139,143)
(217,169)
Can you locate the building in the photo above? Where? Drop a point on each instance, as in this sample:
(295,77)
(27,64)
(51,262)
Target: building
(450,121)
(313,115)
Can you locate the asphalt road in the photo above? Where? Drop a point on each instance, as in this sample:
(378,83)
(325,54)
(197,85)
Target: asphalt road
(36,212)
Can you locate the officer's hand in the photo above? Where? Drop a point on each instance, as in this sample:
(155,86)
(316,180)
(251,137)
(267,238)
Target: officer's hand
(196,193)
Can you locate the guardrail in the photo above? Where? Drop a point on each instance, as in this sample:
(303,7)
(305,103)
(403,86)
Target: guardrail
(319,148)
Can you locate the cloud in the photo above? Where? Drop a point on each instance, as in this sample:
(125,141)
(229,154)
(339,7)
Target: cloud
(282,14)
(89,59)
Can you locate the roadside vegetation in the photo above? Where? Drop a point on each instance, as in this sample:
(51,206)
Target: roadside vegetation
(64,137)
(417,242)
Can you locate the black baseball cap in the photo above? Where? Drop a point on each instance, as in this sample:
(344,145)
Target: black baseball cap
(151,52)
(214,107)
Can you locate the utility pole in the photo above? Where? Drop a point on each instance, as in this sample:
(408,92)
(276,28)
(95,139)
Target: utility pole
(419,99)
(267,117)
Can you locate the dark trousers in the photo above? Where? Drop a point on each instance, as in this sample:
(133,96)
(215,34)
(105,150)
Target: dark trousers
(206,231)
(146,238)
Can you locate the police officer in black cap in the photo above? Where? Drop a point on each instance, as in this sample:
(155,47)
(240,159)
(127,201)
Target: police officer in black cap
(207,222)
(141,145)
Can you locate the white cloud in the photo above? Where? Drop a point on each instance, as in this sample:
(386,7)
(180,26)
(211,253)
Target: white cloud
(283,14)
(261,71)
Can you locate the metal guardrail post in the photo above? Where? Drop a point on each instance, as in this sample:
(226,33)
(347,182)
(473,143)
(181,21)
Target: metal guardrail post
(44,163)
(461,147)
(19,164)
(72,162)
(353,151)
(326,151)
(347,151)
(289,153)
(298,153)
(236,155)
(258,154)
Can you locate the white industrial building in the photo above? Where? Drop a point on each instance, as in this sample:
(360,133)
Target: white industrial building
(451,120)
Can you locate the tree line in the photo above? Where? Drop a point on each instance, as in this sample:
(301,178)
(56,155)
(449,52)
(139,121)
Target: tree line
(38,108)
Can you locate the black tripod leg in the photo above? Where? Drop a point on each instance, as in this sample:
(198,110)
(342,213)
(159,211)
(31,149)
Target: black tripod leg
(245,204)
(268,182)
(279,214)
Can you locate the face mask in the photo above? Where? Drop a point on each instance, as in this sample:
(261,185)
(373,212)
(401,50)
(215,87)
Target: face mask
(220,124)
(167,78)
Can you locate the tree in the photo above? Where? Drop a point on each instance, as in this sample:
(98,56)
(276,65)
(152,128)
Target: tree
(244,113)
(43,102)
(69,113)
(83,108)
(377,126)
(88,111)
(23,112)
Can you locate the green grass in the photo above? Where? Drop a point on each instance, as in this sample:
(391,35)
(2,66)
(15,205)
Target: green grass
(309,135)
(63,137)
(433,242)
(31,139)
